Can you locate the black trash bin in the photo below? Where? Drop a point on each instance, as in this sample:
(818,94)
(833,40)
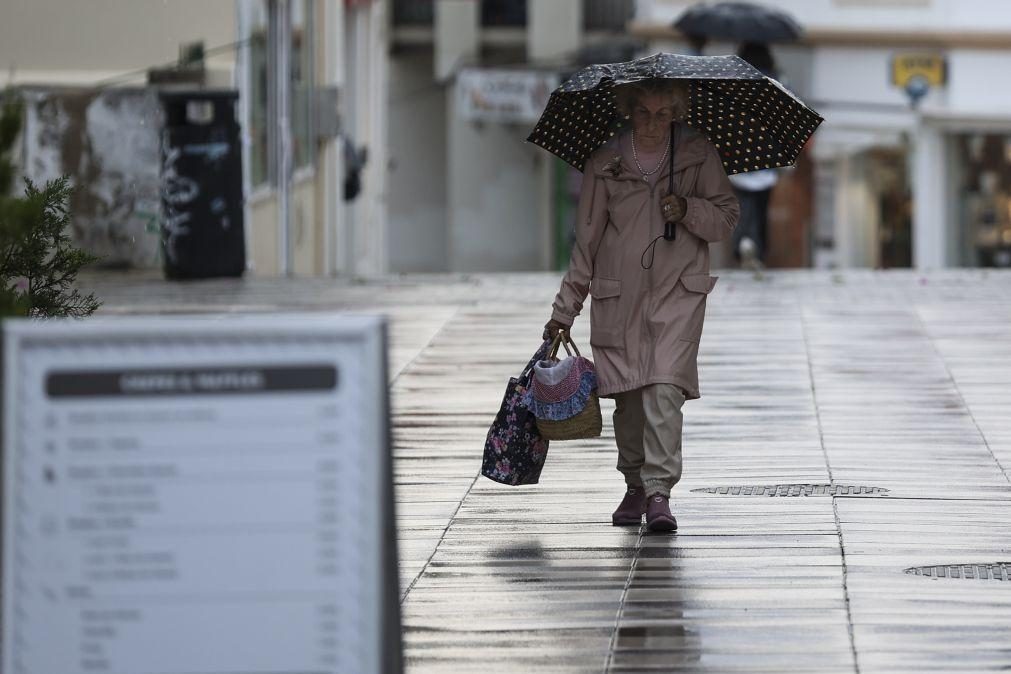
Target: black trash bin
(201,185)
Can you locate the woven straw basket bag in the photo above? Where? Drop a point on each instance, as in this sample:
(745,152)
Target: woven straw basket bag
(563,394)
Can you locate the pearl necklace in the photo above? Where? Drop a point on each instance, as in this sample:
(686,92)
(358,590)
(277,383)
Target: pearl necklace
(635,156)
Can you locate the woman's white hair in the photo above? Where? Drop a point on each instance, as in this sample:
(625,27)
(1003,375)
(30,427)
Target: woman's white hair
(627,96)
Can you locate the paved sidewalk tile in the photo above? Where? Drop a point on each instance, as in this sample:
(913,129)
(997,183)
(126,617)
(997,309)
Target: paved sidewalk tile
(883,395)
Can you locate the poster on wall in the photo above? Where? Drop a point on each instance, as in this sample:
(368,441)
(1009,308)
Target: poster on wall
(205,495)
(512,96)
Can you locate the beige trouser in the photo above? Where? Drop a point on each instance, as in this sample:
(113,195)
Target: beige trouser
(647,429)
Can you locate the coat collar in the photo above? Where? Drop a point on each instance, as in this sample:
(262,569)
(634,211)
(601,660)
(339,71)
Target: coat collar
(689,149)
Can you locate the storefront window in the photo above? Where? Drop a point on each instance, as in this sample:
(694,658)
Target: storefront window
(889,177)
(302,77)
(503,13)
(986,208)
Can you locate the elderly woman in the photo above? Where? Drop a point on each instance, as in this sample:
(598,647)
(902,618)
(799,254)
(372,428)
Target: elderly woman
(646,315)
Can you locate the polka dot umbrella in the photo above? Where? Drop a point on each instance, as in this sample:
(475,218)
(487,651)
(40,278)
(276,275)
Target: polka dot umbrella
(753,121)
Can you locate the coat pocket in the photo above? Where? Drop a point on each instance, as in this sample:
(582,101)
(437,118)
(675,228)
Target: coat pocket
(604,288)
(699,283)
(605,313)
(692,309)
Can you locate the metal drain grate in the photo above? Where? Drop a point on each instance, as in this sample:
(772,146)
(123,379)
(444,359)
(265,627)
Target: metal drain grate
(791,490)
(996,571)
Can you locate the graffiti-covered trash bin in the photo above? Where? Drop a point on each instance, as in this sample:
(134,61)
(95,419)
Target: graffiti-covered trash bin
(201,185)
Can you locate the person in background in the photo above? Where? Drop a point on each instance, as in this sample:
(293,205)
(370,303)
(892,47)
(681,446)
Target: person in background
(751,238)
(354,164)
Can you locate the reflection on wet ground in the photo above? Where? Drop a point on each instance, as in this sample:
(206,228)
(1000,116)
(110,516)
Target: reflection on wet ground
(892,380)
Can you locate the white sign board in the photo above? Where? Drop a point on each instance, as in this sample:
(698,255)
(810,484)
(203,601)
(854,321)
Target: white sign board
(504,95)
(207,495)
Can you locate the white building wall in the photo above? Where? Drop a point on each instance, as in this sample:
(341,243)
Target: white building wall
(855,75)
(495,179)
(418,226)
(108,144)
(457,36)
(867,15)
(56,41)
(554,28)
(484,202)
(975,81)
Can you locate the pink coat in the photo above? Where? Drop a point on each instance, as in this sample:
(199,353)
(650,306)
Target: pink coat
(645,325)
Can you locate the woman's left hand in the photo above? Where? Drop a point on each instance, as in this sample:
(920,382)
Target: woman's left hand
(673,208)
(551,329)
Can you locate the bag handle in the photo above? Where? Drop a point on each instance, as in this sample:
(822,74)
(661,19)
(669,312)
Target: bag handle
(563,339)
(541,352)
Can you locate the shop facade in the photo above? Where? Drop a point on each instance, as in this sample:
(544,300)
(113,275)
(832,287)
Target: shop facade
(468,81)
(897,180)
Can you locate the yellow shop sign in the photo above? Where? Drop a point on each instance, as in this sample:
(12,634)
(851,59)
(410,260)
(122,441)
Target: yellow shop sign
(924,69)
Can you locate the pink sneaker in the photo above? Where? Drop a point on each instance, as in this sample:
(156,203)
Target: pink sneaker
(658,515)
(632,508)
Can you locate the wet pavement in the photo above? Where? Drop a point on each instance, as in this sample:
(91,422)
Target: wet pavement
(891,390)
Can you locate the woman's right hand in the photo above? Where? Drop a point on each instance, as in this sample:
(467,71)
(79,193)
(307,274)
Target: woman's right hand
(551,329)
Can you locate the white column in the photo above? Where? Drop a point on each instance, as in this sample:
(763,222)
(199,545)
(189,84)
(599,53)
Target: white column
(554,28)
(843,235)
(855,212)
(929,208)
(243,25)
(280,99)
(354,81)
(457,35)
(824,248)
(375,135)
(364,121)
(331,175)
(554,32)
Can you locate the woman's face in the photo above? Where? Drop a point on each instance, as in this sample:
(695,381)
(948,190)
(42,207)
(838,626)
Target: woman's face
(652,115)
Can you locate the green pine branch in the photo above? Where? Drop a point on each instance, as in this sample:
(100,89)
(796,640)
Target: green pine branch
(38,261)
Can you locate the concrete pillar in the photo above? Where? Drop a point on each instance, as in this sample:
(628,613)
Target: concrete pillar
(243,23)
(364,115)
(929,208)
(279,88)
(855,218)
(330,185)
(554,32)
(554,28)
(457,35)
(824,251)
(375,260)
(847,237)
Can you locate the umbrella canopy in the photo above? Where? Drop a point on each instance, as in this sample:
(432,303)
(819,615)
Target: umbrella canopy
(739,21)
(752,120)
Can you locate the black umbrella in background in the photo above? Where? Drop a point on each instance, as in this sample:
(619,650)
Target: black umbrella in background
(752,120)
(738,21)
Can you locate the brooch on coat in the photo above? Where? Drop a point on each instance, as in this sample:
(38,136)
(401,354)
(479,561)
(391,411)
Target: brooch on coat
(614,166)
